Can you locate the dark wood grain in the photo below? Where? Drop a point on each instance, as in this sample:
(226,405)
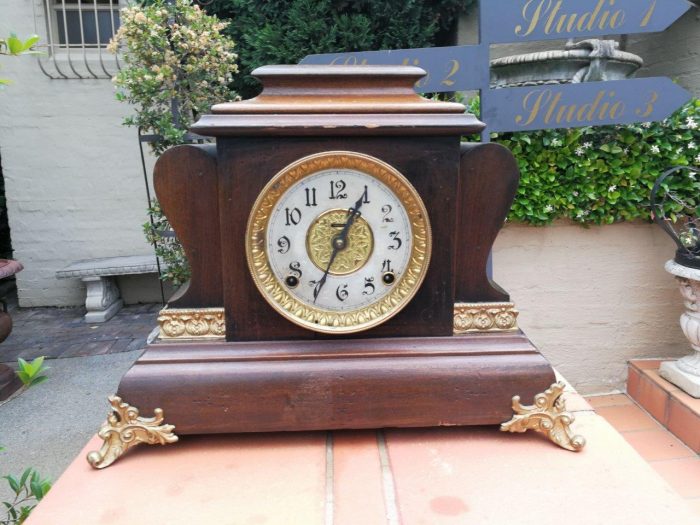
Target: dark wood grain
(248,387)
(489,178)
(186,184)
(246,165)
(271,375)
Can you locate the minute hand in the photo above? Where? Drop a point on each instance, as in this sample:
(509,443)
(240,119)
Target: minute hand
(339,243)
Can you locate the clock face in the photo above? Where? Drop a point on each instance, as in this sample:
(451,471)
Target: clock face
(338,242)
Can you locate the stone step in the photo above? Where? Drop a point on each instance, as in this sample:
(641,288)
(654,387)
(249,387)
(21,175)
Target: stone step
(667,403)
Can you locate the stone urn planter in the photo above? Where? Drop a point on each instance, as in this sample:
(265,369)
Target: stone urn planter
(676,194)
(685,373)
(585,61)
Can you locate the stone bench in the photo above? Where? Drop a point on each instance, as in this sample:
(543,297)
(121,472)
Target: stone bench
(103,299)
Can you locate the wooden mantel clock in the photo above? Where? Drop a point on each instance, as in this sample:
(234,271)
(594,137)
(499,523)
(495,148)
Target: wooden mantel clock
(338,236)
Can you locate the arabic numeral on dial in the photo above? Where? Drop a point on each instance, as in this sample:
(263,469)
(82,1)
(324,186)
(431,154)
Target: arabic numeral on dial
(386,210)
(293,216)
(342,292)
(365,197)
(317,287)
(386,266)
(284,244)
(310,196)
(369,287)
(295,268)
(397,241)
(338,189)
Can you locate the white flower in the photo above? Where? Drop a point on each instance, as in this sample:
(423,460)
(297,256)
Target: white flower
(626,151)
(556,143)
(690,123)
(579,215)
(587,212)
(580,151)
(612,188)
(549,208)
(655,149)
(587,145)
(692,145)
(646,124)
(697,160)
(575,194)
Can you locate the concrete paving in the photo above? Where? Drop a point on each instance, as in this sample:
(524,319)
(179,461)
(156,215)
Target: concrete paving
(47,425)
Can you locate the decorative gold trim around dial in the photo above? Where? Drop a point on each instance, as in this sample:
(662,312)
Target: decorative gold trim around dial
(315,318)
(484,317)
(192,323)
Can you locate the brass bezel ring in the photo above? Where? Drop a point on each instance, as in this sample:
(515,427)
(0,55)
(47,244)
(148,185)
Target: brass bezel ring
(312,317)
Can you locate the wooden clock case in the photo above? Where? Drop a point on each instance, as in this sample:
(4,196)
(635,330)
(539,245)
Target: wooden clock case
(269,374)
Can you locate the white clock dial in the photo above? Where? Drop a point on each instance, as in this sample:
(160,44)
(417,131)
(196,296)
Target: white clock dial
(373,252)
(338,242)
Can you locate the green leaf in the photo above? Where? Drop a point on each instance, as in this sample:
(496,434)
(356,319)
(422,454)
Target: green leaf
(25,475)
(38,380)
(14,44)
(29,42)
(14,484)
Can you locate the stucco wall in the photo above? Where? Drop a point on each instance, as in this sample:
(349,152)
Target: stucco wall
(72,172)
(591,299)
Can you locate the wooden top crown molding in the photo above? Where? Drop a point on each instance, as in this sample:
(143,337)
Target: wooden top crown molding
(338,89)
(328,100)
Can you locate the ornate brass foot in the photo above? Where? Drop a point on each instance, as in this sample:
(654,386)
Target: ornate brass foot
(549,416)
(124,429)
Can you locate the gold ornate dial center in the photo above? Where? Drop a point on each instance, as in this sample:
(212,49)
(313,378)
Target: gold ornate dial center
(324,235)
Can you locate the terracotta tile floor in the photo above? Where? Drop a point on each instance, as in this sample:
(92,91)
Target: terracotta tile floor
(674,461)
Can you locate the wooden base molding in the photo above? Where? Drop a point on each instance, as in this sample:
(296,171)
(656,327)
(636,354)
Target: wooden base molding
(124,429)
(219,387)
(549,416)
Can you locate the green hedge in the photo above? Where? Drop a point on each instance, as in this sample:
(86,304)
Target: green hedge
(285,31)
(601,175)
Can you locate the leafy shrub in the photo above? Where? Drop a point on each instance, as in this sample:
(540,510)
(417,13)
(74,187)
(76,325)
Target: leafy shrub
(284,31)
(29,489)
(12,45)
(32,373)
(600,175)
(159,233)
(172,53)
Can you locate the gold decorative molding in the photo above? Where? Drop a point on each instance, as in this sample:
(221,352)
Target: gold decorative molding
(319,245)
(549,416)
(192,323)
(485,317)
(125,429)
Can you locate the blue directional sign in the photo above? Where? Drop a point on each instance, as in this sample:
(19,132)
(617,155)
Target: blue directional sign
(578,105)
(524,20)
(455,68)
(461,68)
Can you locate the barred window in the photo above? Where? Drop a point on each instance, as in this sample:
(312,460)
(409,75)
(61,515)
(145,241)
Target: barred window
(75,35)
(86,22)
